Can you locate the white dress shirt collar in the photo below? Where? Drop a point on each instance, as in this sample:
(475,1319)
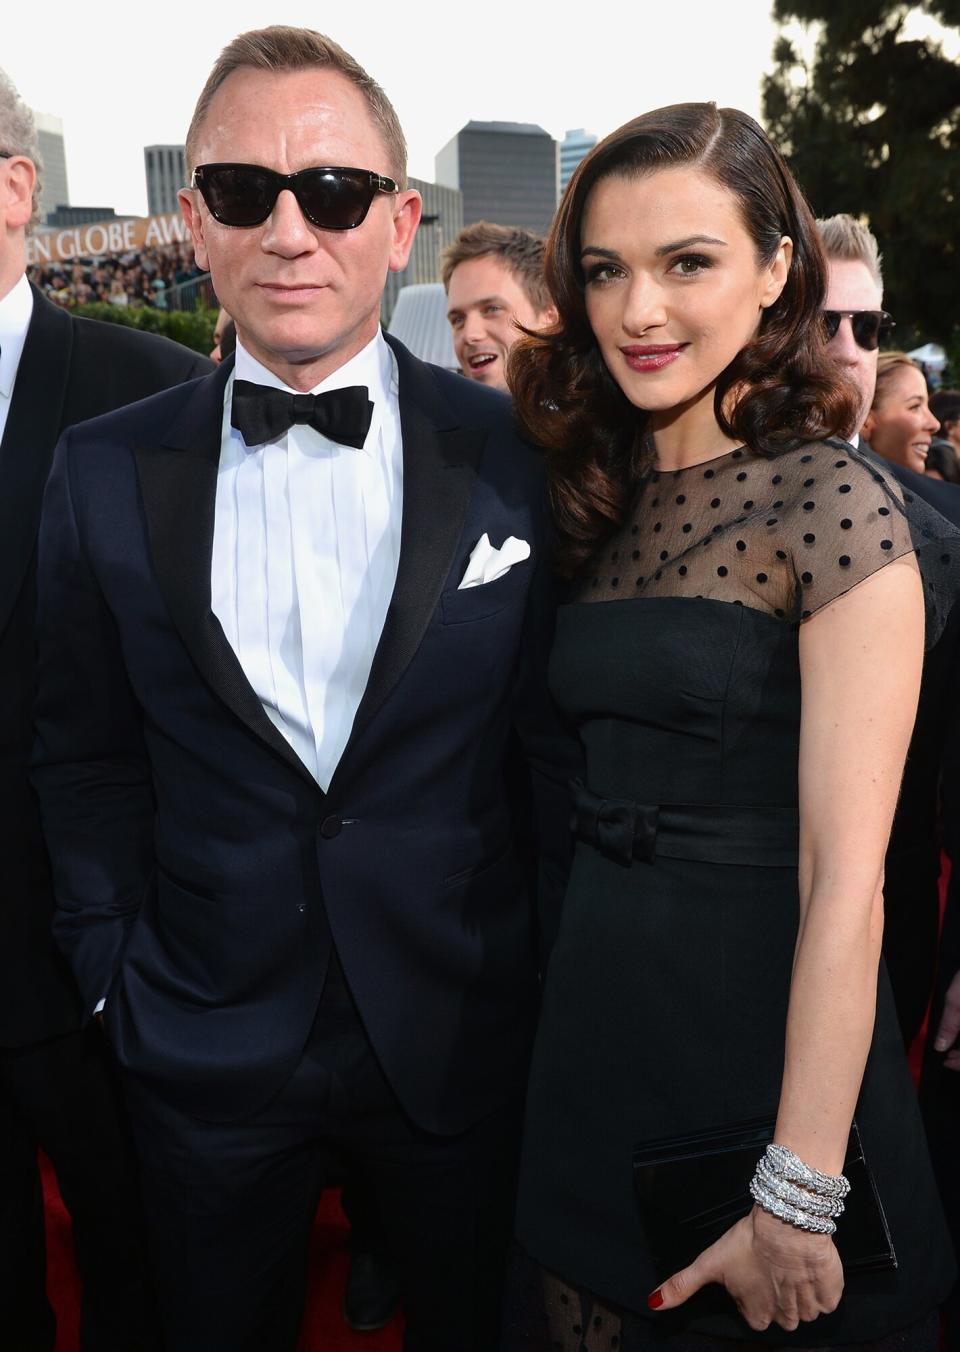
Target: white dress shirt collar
(373,366)
(16,311)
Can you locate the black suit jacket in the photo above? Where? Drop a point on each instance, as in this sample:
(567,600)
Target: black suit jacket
(926,810)
(70,369)
(202,876)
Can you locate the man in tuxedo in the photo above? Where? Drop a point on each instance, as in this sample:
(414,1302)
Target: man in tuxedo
(56,1085)
(292,620)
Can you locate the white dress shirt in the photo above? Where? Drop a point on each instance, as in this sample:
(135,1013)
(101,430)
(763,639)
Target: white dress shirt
(306,543)
(16,311)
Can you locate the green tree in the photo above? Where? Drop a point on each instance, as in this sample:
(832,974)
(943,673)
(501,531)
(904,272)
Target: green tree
(870,125)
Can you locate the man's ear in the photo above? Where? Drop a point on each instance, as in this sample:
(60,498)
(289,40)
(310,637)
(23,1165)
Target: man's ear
(406,218)
(189,200)
(18,179)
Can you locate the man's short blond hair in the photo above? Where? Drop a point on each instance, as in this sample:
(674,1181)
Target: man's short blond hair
(519,250)
(282,48)
(844,237)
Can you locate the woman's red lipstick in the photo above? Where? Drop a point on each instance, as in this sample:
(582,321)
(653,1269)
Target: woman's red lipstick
(651,356)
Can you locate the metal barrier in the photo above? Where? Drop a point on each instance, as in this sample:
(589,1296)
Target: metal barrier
(198,291)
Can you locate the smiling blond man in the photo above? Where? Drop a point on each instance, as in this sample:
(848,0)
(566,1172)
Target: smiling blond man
(493,276)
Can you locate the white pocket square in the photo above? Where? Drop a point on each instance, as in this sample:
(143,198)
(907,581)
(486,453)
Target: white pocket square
(487,564)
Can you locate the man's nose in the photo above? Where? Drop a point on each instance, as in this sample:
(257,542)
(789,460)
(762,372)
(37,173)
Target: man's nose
(843,346)
(287,232)
(474,329)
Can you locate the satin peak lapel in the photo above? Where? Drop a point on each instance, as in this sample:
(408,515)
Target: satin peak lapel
(178,482)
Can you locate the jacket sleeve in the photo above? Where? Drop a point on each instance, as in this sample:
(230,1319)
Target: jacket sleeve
(90,766)
(551,751)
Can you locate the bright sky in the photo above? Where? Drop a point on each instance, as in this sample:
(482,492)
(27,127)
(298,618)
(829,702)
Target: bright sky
(125,77)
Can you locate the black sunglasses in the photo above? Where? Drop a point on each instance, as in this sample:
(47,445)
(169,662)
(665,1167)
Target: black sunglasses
(869,326)
(331,198)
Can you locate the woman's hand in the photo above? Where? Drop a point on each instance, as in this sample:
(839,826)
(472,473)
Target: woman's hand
(775,1272)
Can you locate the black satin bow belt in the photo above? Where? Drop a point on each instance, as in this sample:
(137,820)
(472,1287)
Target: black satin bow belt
(624,830)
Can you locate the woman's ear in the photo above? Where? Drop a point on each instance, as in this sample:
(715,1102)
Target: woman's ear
(776,273)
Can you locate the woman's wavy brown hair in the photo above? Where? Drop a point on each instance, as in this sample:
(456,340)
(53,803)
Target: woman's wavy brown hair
(787,388)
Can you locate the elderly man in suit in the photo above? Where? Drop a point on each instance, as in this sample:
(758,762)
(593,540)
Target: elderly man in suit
(55,1078)
(293,621)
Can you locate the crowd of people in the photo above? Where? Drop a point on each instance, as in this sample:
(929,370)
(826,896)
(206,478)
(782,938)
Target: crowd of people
(517,794)
(139,277)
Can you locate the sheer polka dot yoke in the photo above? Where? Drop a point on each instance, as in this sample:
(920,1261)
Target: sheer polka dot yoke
(785,535)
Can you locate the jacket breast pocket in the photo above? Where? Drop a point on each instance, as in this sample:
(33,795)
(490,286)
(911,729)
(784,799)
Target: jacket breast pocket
(478,603)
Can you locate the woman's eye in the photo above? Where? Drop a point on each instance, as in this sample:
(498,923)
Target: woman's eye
(600,273)
(688,265)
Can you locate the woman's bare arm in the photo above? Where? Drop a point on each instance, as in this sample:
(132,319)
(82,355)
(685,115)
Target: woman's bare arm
(860,664)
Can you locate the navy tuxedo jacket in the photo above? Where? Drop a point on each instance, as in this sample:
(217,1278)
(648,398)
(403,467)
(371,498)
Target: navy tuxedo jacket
(201,874)
(70,369)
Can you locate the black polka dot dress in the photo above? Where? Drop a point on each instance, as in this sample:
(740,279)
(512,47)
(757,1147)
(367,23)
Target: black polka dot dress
(666,999)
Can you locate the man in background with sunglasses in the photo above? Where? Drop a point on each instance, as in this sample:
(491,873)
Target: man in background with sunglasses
(855,324)
(293,621)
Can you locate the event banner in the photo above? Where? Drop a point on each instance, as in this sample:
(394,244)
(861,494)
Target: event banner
(105,237)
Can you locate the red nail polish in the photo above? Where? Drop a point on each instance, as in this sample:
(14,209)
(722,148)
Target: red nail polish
(656,1300)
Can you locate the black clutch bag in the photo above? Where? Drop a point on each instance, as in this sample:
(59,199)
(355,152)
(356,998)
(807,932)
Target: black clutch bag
(691,1189)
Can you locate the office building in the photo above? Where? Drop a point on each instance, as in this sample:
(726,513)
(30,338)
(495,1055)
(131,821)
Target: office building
(441,222)
(54,190)
(506,171)
(166,170)
(573,147)
(66,216)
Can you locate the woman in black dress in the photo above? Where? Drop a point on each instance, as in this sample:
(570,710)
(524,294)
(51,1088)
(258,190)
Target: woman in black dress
(740,652)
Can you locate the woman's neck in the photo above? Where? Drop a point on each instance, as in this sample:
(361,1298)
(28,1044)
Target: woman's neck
(688,434)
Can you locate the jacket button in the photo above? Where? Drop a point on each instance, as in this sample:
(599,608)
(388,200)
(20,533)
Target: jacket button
(330,827)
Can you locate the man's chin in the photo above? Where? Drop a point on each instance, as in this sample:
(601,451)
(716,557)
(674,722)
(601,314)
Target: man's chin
(491,374)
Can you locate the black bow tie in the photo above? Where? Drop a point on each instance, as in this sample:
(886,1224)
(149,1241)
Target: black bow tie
(261,413)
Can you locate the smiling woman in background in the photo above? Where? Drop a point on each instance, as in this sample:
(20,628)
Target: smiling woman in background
(735,574)
(900,425)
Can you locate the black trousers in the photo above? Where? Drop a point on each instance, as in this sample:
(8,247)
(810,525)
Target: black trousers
(62,1095)
(230,1206)
(940,1104)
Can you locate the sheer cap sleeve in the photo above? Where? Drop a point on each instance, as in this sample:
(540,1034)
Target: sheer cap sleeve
(850,518)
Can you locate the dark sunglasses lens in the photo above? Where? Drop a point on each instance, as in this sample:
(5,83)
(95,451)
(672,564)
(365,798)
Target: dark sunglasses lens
(866,329)
(831,322)
(335,200)
(239,196)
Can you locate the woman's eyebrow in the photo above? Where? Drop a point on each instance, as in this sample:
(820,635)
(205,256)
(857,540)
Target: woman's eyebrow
(685,244)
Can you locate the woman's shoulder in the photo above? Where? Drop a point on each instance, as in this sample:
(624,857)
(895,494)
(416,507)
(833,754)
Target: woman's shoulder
(845,515)
(825,473)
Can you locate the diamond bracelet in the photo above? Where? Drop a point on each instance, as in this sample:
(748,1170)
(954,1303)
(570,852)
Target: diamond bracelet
(796,1196)
(791,1167)
(803,1220)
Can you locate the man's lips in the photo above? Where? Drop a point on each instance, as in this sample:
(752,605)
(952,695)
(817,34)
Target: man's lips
(481,359)
(651,356)
(290,290)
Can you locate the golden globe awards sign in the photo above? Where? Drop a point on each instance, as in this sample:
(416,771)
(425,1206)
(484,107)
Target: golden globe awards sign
(105,237)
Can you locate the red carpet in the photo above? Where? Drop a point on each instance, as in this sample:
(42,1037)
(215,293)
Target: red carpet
(323,1327)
